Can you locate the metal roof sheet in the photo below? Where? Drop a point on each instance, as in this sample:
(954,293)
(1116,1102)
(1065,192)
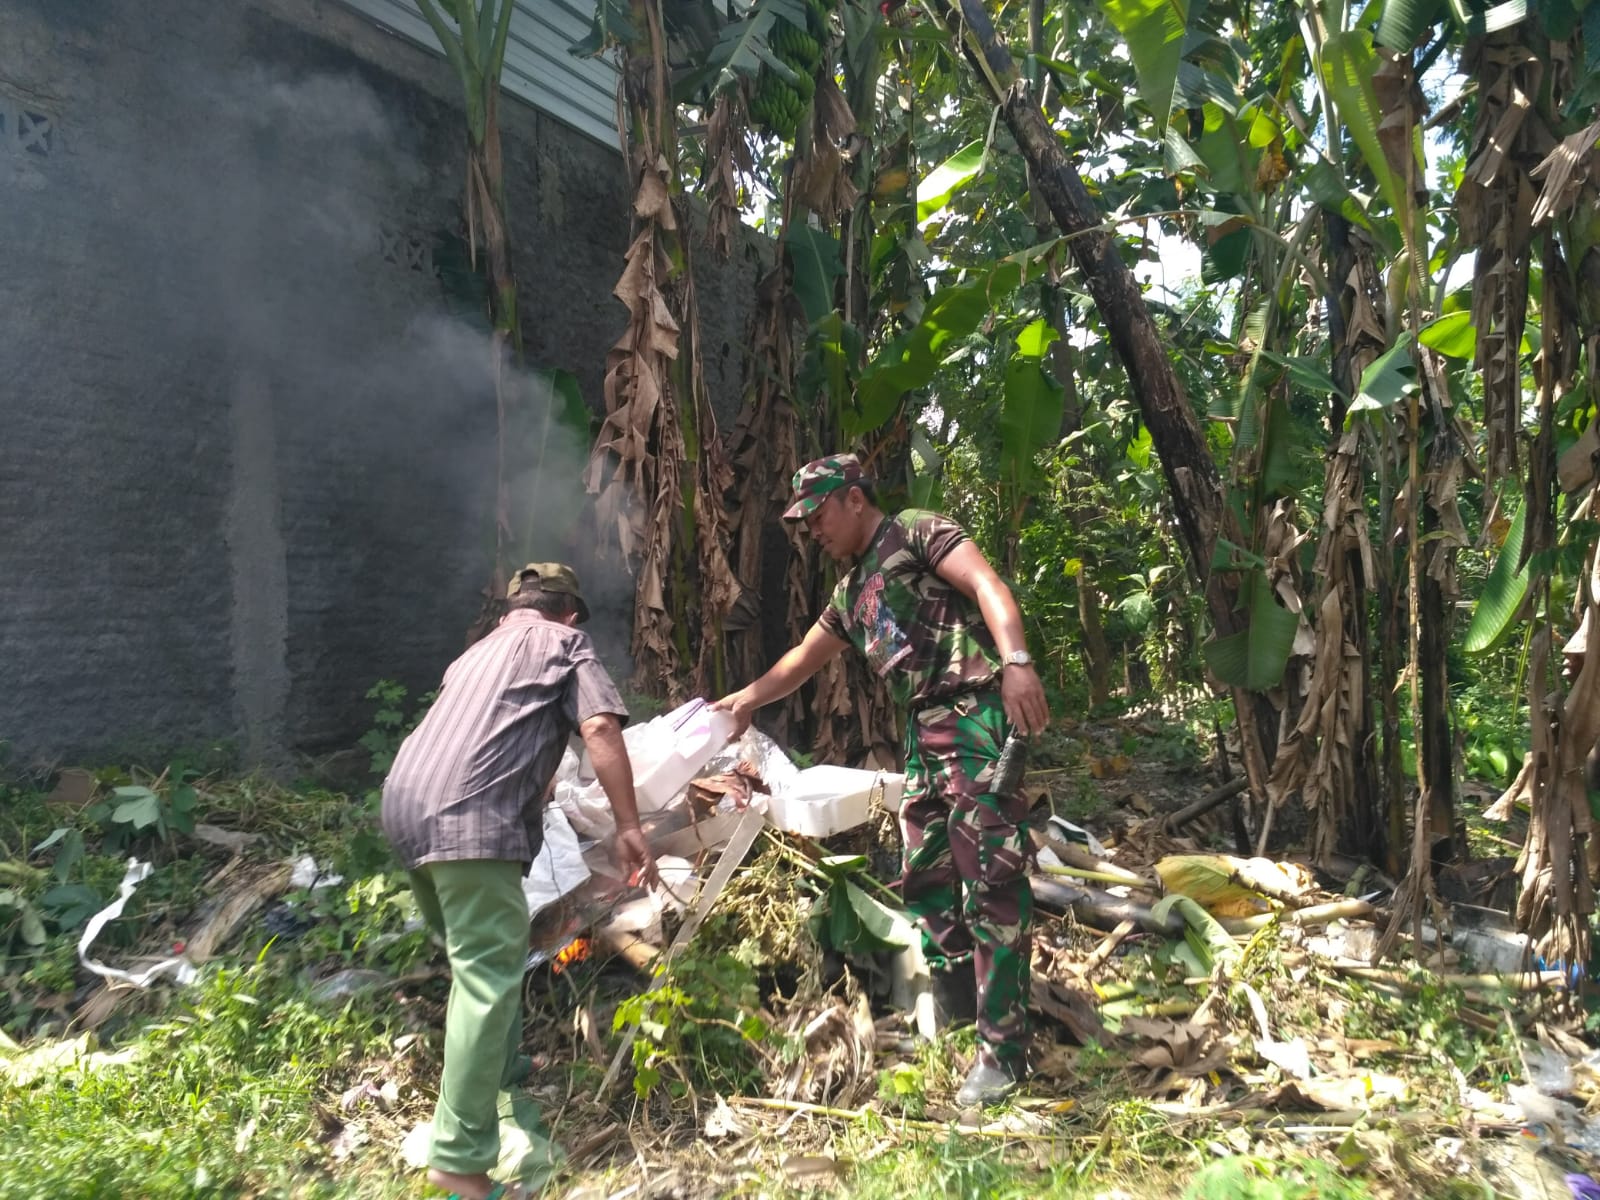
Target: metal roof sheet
(581,92)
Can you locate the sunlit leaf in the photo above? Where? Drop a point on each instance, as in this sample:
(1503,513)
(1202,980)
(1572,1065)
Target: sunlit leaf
(140,809)
(1404,21)
(1388,379)
(876,919)
(1348,65)
(941,183)
(1036,339)
(1503,591)
(1452,335)
(1154,31)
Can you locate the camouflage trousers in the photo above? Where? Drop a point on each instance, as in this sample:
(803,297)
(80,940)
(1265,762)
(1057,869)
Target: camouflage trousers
(966,860)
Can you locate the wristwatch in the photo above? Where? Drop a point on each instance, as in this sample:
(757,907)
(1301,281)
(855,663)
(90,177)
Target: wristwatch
(1017,658)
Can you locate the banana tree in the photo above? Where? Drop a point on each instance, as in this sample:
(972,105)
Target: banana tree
(472,34)
(658,468)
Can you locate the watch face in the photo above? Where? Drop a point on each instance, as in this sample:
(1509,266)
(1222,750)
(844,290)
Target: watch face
(1018,658)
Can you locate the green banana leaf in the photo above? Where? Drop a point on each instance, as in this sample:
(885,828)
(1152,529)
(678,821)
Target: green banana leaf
(954,173)
(1348,65)
(1452,335)
(1154,31)
(612,23)
(1404,21)
(1204,933)
(1255,657)
(910,360)
(743,47)
(815,258)
(1304,372)
(1030,418)
(1388,379)
(1503,592)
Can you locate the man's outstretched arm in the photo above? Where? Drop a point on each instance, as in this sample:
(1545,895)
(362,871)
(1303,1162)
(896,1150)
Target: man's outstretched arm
(815,651)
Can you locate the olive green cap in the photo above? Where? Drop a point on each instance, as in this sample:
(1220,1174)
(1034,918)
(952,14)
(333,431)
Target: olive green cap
(551,577)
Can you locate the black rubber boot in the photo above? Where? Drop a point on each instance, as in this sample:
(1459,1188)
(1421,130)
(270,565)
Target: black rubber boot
(991,1080)
(955,996)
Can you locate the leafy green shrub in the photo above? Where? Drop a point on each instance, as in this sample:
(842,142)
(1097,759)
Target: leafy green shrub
(700,1026)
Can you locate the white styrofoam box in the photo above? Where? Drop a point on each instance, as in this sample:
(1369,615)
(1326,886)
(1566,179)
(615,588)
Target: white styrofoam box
(682,742)
(825,800)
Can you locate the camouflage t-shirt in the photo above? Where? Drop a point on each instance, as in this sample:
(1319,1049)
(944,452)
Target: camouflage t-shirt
(923,637)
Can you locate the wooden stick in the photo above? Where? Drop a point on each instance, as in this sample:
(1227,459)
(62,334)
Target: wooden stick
(1077,856)
(1092,875)
(1524,981)
(857,1114)
(1212,799)
(1316,914)
(1106,948)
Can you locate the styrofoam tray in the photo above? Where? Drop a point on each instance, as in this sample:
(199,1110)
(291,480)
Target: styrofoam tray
(822,801)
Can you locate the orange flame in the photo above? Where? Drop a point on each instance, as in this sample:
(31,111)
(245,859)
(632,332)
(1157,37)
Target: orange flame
(574,951)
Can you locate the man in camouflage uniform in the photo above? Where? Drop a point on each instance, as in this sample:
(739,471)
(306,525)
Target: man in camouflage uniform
(927,610)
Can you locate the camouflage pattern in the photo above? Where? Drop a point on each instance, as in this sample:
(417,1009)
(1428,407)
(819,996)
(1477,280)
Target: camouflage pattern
(966,861)
(551,577)
(820,477)
(924,638)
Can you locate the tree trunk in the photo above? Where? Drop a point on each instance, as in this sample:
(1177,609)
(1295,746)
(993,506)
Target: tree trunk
(1175,431)
(1096,654)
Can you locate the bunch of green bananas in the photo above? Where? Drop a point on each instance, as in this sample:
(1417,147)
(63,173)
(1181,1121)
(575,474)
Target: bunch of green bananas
(777,104)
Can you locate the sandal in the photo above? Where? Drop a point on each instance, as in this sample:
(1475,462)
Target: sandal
(501,1191)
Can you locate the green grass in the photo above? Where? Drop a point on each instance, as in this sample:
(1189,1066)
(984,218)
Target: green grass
(223,1096)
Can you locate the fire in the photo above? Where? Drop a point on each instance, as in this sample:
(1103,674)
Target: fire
(574,951)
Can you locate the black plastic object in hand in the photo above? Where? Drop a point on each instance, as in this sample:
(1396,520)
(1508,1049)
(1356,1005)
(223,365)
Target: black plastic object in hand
(1012,763)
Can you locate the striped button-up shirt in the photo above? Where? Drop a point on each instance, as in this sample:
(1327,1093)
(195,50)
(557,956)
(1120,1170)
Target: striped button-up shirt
(470,780)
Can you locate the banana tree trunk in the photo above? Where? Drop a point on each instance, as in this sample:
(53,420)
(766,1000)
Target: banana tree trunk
(1192,477)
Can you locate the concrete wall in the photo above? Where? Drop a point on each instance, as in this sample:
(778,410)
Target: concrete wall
(246,427)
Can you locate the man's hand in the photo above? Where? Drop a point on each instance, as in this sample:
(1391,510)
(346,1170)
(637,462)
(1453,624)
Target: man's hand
(743,708)
(634,854)
(1023,696)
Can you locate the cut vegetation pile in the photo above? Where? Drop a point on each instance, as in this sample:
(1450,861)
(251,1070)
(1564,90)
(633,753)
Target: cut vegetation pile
(1206,1025)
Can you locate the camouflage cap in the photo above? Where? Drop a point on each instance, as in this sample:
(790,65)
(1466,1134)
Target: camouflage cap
(551,577)
(814,481)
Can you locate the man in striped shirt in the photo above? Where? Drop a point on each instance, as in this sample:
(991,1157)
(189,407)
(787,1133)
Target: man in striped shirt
(463,808)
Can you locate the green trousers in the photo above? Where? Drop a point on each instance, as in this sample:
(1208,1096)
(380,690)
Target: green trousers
(478,908)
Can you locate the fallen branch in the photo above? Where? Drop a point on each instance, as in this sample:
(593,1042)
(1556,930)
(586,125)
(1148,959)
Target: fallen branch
(733,854)
(1092,875)
(1212,799)
(1316,914)
(857,1114)
(1100,910)
(1526,981)
(1077,856)
(1106,949)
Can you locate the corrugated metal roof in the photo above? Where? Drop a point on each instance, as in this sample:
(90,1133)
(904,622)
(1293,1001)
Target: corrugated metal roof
(582,92)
